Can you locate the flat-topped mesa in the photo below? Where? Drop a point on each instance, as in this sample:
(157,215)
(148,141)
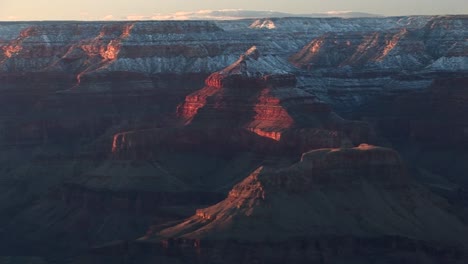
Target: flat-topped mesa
(328,168)
(249,71)
(367,186)
(381,166)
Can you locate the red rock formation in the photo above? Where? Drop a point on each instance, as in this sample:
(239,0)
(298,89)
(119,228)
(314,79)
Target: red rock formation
(367,186)
(267,104)
(195,101)
(98,47)
(361,49)
(14,47)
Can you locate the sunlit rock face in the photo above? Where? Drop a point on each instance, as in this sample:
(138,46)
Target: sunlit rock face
(242,81)
(88,48)
(374,53)
(249,114)
(356,68)
(299,204)
(245,96)
(15,46)
(398,50)
(105,50)
(204,47)
(407,48)
(168,37)
(319,172)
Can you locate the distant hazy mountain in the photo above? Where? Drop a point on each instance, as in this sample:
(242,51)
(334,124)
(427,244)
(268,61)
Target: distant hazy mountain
(229,14)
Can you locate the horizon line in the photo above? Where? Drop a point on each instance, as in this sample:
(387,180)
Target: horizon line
(229,19)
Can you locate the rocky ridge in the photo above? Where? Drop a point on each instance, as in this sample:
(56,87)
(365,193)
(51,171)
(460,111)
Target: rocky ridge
(271,104)
(268,200)
(366,186)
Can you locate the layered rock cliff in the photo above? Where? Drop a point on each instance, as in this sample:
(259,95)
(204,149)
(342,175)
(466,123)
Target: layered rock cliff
(247,107)
(368,187)
(404,49)
(154,47)
(355,68)
(269,197)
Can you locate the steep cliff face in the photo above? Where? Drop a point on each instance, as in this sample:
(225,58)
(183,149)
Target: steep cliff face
(244,95)
(246,115)
(357,173)
(246,107)
(367,186)
(445,37)
(390,51)
(204,46)
(403,49)
(87,48)
(356,68)
(379,53)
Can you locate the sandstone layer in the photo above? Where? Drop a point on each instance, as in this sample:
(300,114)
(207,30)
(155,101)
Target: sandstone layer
(369,189)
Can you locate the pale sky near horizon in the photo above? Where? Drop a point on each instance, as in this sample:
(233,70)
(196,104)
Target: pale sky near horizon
(122,9)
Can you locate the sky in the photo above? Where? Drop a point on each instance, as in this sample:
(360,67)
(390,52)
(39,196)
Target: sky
(128,9)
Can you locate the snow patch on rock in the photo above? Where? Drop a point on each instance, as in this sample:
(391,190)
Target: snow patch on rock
(263,24)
